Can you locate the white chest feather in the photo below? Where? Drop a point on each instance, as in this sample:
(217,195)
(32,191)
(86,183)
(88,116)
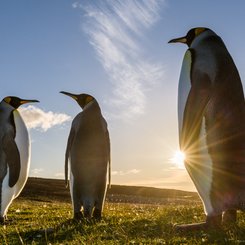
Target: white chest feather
(71,185)
(184,87)
(23,145)
(201,170)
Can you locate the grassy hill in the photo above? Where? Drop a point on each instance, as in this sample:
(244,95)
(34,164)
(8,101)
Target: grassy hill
(54,189)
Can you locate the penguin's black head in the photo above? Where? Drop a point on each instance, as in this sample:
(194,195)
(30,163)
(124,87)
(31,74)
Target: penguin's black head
(16,102)
(82,99)
(190,36)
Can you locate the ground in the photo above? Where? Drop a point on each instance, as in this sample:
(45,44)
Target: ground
(42,219)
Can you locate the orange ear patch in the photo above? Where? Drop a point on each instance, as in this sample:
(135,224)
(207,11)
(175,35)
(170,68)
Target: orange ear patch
(7,99)
(199,30)
(88,99)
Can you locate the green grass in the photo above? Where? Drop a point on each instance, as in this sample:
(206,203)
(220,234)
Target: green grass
(40,222)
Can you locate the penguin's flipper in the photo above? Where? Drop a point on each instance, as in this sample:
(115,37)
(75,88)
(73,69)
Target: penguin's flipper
(196,105)
(67,154)
(13,159)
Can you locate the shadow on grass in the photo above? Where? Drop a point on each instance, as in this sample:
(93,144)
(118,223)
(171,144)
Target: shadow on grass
(112,230)
(107,230)
(65,231)
(225,235)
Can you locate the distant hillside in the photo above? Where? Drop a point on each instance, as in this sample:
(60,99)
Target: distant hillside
(54,190)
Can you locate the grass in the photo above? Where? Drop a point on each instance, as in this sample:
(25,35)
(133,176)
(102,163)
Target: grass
(37,222)
(132,215)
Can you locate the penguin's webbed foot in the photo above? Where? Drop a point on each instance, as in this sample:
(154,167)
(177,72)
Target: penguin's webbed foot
(97,214)
(78,216)
(87,213)
(229,217)
(3,220)
(211,222)
(190,227)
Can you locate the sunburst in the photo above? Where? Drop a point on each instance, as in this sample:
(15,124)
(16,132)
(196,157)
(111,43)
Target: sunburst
(178,159)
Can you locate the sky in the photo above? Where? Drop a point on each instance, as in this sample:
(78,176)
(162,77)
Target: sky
(116,51)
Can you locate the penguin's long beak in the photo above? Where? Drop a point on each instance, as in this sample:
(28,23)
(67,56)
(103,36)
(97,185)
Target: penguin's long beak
(74,96)
(178,40)
(22,101)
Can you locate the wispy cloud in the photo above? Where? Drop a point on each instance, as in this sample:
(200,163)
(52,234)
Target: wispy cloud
(36,118)
(76,5)
(115,29)
(121,173)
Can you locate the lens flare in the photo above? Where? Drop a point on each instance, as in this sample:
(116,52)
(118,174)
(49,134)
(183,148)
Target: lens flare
(178,159)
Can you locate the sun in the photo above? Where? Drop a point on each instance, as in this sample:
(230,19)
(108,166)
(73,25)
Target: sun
(178,159)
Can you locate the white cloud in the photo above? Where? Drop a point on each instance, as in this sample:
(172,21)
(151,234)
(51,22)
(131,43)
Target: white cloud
(36,171)
(115,28)
(36,118)
(76,5)
(121,173)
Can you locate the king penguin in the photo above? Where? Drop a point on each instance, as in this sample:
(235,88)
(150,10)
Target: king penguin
(88,149)
(211,117)
(14,152)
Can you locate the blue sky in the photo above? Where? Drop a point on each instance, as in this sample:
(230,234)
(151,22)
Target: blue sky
(118,52)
